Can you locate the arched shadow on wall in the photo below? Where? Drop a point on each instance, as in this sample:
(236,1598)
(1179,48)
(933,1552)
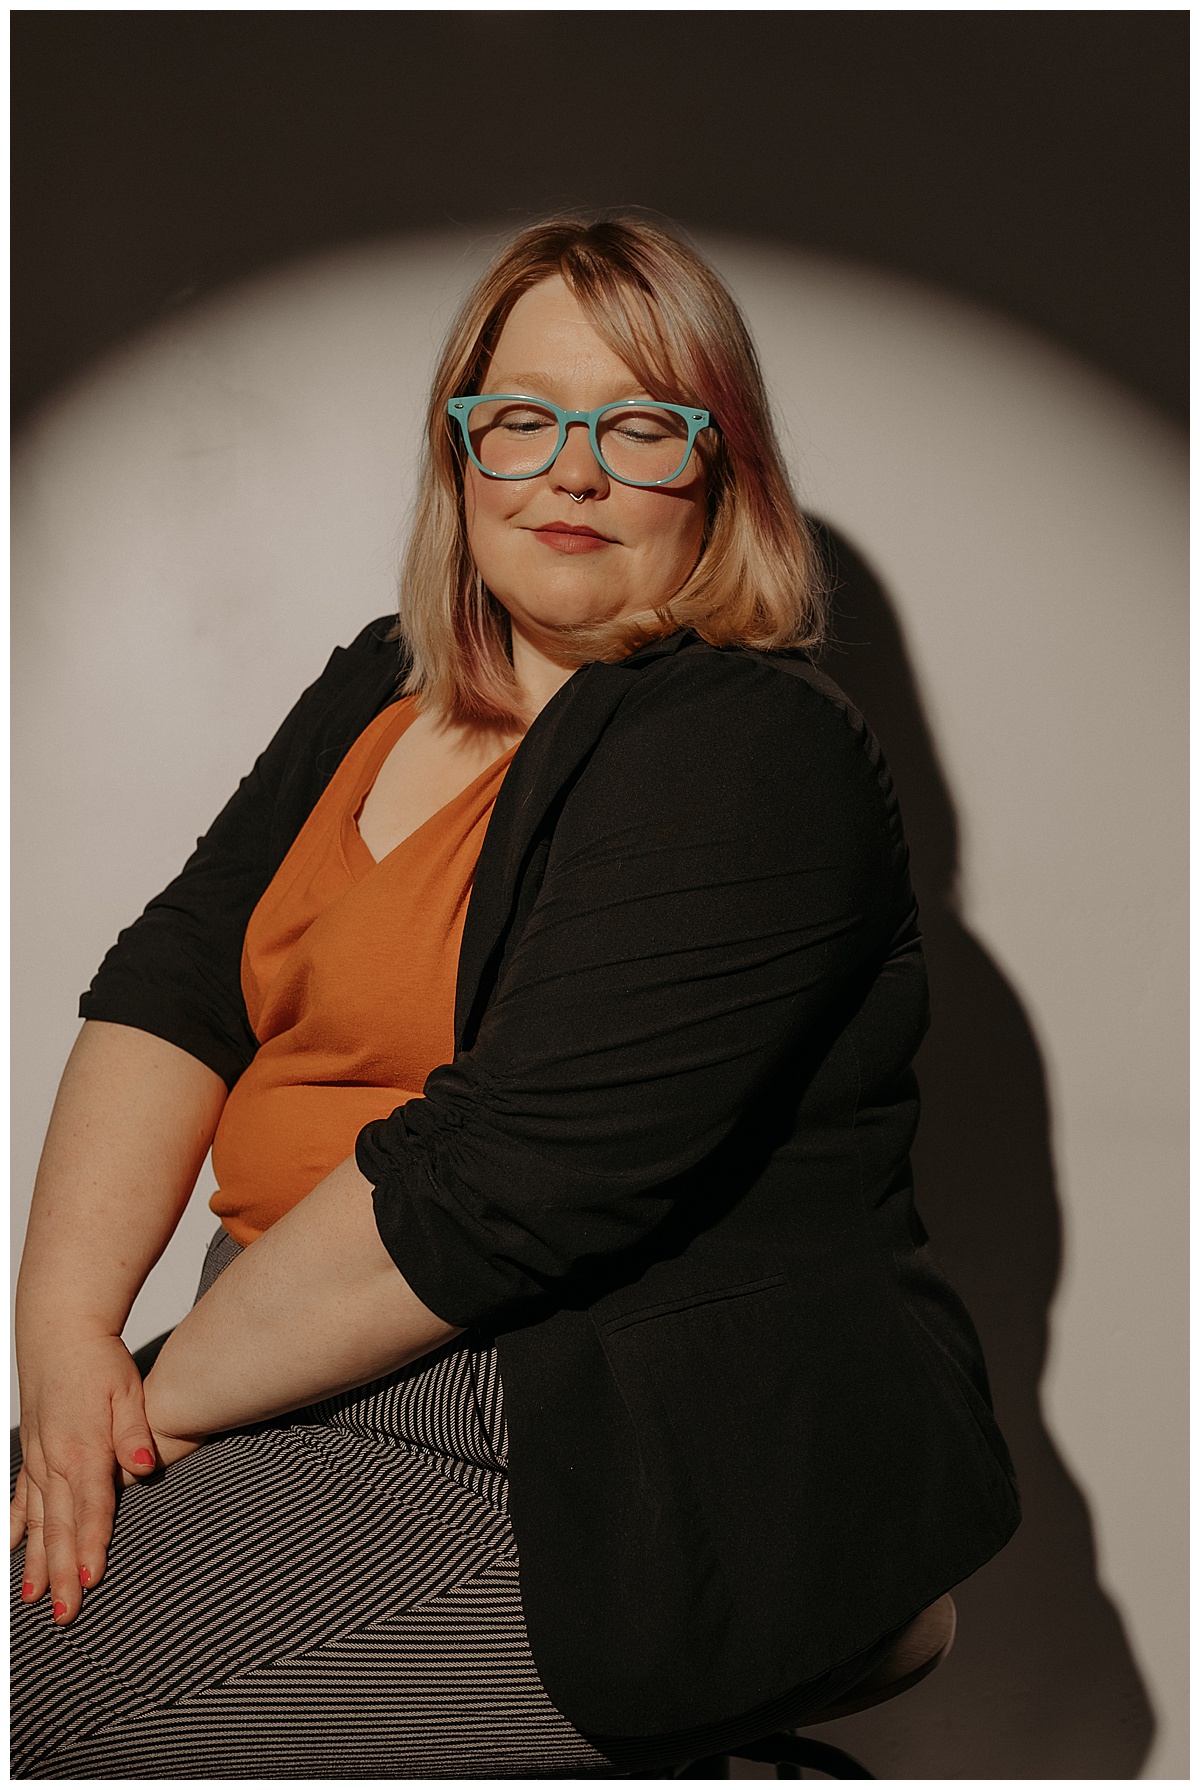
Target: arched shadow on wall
(1041,1681)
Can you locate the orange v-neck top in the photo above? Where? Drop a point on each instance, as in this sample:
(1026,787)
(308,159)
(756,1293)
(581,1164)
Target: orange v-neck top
(348,970)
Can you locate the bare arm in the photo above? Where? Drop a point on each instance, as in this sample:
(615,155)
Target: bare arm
(131,1126)
(316,1306)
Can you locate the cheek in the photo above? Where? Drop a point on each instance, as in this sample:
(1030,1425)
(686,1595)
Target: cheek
(488,505)
(670,525)
(487,500)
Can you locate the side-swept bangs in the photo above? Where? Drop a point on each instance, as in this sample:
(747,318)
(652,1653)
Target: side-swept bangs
(675,325)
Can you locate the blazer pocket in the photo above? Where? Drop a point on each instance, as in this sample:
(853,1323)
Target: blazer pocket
(690,1302)
(710,1385)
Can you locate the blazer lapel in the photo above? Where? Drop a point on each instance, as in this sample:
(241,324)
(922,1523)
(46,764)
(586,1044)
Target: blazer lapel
(558,741)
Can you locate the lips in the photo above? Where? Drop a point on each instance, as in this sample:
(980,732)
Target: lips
(571,537)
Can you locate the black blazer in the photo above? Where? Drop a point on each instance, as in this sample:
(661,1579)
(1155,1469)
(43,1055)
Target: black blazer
(667,1169)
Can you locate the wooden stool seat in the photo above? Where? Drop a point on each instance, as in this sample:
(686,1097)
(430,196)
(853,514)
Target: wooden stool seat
(913,1655)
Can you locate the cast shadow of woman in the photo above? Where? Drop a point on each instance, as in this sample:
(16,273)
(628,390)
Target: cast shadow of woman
(1041,1681)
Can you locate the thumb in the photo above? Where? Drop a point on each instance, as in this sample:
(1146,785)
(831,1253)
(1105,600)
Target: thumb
(132,1442)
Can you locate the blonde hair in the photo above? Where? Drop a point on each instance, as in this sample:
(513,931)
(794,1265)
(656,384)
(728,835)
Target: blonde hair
(675,325)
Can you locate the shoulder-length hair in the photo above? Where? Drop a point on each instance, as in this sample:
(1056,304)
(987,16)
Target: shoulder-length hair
(670,318)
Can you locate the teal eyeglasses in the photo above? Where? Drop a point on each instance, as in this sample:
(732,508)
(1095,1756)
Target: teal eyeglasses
(635,441)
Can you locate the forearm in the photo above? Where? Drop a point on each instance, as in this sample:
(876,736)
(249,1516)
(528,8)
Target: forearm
(130,1129)
(315,1307)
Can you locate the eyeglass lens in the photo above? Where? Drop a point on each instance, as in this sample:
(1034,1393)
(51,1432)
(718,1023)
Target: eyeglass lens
(645,445)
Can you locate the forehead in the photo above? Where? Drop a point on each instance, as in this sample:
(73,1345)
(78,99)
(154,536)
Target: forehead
(547,332)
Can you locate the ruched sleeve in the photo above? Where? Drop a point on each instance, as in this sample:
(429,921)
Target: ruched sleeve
(176,971)
(726,871)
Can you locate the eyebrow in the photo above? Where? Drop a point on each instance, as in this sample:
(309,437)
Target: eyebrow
(531,384)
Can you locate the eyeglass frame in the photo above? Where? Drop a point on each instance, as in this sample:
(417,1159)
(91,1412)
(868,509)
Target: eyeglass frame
(459,409)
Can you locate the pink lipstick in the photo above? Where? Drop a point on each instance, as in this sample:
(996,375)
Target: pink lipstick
(568,537)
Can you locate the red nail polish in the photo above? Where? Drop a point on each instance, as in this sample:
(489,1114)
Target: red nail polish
(59,1609)
(142,1457)
(27,1591)
(85,1575)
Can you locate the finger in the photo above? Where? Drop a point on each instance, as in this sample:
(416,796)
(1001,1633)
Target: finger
(58,1534)
(95,1503)
(36,1579)
(90,1481)
(133,1443)
(16,1511)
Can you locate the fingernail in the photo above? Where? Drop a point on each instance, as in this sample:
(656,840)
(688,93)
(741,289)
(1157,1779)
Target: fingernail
(142,1457)
(85,1575)
(60,1610)
(27,1591)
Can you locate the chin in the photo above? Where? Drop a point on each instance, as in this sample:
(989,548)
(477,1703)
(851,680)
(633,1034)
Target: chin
(559,618)
(565,603)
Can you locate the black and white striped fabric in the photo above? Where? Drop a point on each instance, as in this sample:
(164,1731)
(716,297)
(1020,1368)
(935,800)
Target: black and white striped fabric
(333,1594)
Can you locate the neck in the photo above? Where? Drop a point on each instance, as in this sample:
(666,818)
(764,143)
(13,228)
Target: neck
(539,675)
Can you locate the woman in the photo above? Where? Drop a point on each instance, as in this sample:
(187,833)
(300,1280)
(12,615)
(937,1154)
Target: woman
(572,1227)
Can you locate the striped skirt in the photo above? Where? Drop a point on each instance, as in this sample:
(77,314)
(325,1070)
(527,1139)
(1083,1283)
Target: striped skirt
(332,1594)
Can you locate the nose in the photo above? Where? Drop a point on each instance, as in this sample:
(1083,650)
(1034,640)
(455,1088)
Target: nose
(577,470)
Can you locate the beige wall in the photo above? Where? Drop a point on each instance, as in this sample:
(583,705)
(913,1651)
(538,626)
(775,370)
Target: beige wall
(200,521)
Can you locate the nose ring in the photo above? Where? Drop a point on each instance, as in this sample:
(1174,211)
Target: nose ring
(575,499)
